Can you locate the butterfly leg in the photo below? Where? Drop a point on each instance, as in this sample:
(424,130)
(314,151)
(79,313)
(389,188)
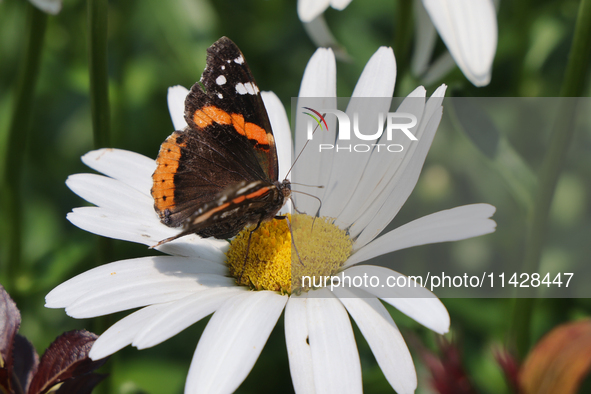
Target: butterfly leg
(298,211)
(292,240)
(248,250)
(182,234)
(294,207)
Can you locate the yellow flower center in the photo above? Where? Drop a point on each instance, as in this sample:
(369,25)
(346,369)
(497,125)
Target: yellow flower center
(273,263)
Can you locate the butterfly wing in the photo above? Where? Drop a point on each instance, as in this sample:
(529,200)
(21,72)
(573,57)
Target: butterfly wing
(228,139)
(231,90)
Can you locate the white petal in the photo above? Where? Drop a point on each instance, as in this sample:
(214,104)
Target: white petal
(143,293)
(378,77)
(232,342)
(144,230)
(110,193)
(298,348)
(335,358)
(127,271)
(318,91)
(413,300)
(382,167)
(130,168)
(196,247)
(384,208)
(134,283)
(182,314)
(469,30)
(52,7)
(320,76)
(384,339)
(425,38)
(450,225)
(120,225)
(122,333)
(176,106)
(281,131)
(310,9)
(377,81)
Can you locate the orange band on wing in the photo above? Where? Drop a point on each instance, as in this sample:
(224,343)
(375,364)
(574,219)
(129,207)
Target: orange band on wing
(163,178)
(254,132)
(258,193)
(208,115)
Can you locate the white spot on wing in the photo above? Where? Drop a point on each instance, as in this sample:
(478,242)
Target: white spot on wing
(223,67)
(239,60)
(220,95)
(240,88)
(220,80)
(249,87)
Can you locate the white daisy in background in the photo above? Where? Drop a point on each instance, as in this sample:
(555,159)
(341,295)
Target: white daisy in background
(176,291)
(469,30)
(467,27)
(52,7)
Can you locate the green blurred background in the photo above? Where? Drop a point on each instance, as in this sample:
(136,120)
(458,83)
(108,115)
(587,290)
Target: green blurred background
(154,44)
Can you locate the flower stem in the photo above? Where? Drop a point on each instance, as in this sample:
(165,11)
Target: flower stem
(99,90)
(403,34)
(101,122)
(580,54)
(16,142)
(560,140)
(99,79)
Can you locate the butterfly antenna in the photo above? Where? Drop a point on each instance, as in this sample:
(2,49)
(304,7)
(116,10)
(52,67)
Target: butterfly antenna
(303,184)
(301,151)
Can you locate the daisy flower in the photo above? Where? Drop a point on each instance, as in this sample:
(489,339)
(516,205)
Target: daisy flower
(467,27)
(52,7)
(199,277)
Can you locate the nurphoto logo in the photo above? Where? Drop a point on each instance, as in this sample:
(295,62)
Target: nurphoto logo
(395,122)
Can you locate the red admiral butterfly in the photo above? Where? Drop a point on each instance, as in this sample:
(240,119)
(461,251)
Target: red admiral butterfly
(219,174)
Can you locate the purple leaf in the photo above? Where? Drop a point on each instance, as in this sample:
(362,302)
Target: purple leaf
(10,320)
(26,361)
(66,358)
(81,385)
